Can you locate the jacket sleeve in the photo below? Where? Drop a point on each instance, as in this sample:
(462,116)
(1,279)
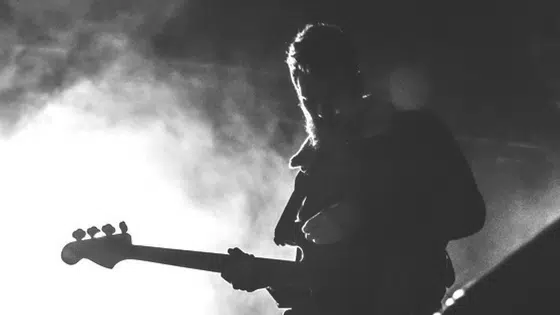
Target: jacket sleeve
(445,177)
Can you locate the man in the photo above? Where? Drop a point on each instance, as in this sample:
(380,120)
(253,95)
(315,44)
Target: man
(379,194)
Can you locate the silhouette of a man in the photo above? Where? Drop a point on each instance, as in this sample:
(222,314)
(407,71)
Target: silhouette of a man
(379,194)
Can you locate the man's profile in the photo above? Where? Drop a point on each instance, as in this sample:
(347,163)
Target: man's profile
(378,195)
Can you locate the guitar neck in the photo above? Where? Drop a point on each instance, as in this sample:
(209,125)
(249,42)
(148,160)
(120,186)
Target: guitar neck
(275,269)
(194,259)
(181,258)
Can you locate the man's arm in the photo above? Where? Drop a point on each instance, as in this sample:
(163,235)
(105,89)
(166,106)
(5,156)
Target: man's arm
(456,197)
(244,271)
(342,267)
(432,170)
(460,201)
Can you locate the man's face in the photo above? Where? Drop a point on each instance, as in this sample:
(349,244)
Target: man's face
(328,98)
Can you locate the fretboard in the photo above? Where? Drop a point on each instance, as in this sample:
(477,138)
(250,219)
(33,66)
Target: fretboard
(194,259)
(181,258)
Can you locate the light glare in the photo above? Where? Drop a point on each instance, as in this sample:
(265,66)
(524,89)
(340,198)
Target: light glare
(449,302)
(458,294)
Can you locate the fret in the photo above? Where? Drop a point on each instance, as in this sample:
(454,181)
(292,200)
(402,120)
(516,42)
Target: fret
(194,259)
(181,258)
(218,262)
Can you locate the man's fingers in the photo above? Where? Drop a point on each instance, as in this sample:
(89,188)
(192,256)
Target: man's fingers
(320,236)
(312,229)
(238,270)
(305,228)
(321,229)
(312,237)
(314,223)
(282,236)
(310,225)
(234,251)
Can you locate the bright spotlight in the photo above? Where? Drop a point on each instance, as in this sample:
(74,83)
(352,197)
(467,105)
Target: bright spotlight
(458,294)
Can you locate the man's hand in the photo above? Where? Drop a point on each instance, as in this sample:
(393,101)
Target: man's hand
(240,269)
(332,224)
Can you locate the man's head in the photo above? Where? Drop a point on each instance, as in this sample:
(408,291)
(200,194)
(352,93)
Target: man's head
(324,71)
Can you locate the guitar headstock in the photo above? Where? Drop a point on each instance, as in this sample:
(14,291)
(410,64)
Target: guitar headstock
(105,251)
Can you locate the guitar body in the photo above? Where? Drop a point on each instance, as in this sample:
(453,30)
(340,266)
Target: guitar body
(294,297)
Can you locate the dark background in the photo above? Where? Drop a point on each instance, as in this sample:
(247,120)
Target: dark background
(497,57)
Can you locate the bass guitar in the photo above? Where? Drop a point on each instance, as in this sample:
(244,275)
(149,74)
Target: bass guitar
(110,249)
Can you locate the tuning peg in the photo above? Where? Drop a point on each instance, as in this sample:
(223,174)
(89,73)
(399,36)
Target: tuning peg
(92,231)
(123,227)
(108,229)
(79,234)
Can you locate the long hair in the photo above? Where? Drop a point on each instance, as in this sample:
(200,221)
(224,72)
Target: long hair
(322,48)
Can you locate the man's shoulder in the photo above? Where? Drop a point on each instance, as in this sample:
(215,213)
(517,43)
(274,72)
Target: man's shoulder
(383,117)
(417,116)
(422,132)
(419,123)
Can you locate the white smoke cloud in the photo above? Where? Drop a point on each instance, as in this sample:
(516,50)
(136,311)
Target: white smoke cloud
(128,141)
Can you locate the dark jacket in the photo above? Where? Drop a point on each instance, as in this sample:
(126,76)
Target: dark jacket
(416,193)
